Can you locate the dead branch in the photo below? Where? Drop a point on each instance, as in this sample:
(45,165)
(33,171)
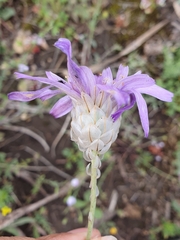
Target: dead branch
(97,68)
(60,135)
(110,212)
(28,132)
(47,163)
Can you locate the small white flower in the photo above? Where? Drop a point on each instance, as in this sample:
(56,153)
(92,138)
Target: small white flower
(23,68)
(161,144)
(158,158)
(70,201)
(161,2)
(153,143)
(75,182)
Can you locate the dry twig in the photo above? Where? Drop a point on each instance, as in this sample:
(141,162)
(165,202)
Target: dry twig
(28,132)
(46,162)
(110,212)
(27,177)
(131,47)
(60,135)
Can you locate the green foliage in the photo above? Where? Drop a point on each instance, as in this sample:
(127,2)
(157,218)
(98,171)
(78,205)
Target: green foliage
(40,219)
(43,180)
(176,207)
(7,166)
(53,184)
(105,226)
(52,16)
(82,207)
(5,66)
(13,228)
(135,62)
(169,229)
(171,66)
(8,62)
(170,78)
(177,160)
(57,17)
(6,12)
(74,157)
(144,159)
(98,213)
(38,184)
(6,195)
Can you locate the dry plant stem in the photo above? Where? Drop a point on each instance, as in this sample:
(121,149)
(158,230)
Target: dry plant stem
(92,198)
(131,47)
(60,135)
(46,162)
(28,132)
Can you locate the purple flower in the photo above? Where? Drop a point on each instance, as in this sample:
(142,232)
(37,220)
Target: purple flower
(124,90)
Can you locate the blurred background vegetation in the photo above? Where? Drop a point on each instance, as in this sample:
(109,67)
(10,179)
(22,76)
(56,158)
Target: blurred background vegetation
(39,166)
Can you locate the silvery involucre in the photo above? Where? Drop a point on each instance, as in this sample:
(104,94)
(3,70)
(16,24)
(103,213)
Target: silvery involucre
(92,126)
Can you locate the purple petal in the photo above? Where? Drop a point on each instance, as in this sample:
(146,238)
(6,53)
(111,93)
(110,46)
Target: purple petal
(143,113)
(157,92)
(121,97)
(81,78)
(64,45)
(75,79)
(54,77)
(88,79)
(119,112)
(107,77)
(49,94)
(139,72)
(135,82)
(98,79)
(28,95)
(63,87)
(61,107)
(122,73)
(39,79)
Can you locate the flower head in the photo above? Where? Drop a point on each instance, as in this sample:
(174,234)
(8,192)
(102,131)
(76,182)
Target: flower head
(113,230)
(71,200)
(75,182)
(6,210)
(102,96)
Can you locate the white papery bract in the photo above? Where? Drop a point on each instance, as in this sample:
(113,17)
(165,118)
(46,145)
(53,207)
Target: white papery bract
(92,126)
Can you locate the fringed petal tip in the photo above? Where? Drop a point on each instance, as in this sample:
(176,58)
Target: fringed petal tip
(122,72)
(146,134)
(20,96)
(11,96)
(64,45)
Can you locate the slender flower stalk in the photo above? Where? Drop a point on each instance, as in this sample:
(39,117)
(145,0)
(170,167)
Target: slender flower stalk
(96,104)
(93,185)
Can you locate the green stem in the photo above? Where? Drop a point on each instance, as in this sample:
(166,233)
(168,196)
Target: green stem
(92,198)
